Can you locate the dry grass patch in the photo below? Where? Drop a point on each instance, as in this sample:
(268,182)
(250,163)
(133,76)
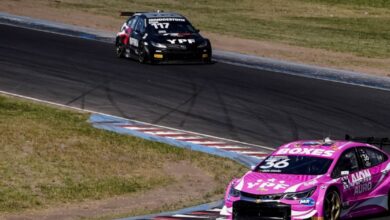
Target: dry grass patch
(50,156)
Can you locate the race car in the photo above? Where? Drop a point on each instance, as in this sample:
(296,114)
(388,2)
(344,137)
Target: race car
(323,179)
(158,37)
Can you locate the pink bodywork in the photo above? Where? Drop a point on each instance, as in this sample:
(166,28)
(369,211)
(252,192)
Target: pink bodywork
(365,192)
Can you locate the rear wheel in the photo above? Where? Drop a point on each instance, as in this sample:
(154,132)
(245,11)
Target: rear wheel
(120,49)
(332,205)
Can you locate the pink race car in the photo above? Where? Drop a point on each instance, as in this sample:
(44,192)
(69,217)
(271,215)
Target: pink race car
(313,180)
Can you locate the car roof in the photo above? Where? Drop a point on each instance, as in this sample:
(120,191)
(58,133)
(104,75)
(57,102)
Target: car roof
(160,15)
(320,148)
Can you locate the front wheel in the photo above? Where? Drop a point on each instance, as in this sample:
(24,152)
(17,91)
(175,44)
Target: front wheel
(332,206)
(388,204)
(142,55)
(120,50)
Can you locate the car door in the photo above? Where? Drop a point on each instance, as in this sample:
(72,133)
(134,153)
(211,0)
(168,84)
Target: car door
(347,167)
(369,178)
(371,160)
(137,34)
(127,29)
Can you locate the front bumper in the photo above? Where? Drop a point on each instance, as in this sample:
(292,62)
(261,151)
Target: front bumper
(278,210)
(266,211)
(178,56)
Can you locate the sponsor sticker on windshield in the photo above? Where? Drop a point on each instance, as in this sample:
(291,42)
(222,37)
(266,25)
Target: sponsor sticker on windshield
(275,164)
(156,20)
(306,151)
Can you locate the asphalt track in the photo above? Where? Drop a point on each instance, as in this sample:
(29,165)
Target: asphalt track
(243,104)
(228,101)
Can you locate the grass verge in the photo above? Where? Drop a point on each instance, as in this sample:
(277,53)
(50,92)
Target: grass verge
(52,156)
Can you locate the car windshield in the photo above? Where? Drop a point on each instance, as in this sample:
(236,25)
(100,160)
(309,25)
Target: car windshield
(303,165)
(169,26)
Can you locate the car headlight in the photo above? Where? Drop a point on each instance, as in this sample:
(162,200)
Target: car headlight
(159,45)
(203,44)
(233,192)
(300,195)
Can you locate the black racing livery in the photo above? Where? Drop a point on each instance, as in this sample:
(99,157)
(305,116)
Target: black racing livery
(160,37)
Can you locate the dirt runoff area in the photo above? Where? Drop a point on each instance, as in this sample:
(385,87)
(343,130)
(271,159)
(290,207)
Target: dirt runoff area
(44,9)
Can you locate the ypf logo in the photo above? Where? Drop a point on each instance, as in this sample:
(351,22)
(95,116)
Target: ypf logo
(181,41)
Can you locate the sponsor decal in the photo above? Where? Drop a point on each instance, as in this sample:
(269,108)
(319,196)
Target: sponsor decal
(307,202)
(276,162)
(160,25)
(306,151)
(154,20)
(265,185)
(181,41)
(359,181)
(134,42)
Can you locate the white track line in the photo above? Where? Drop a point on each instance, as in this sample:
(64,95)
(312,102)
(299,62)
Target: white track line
(140,122)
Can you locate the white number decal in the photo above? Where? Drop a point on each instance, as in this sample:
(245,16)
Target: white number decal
(278,163)
(160,25)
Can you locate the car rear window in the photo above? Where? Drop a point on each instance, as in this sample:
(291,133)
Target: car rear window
(170,25)
(303,165)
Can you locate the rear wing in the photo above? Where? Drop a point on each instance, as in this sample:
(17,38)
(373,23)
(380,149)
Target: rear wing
(131,13)
(128,13)
(379,142)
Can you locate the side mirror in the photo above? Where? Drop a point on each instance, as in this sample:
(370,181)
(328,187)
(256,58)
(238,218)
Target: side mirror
(197,30)
(344,173)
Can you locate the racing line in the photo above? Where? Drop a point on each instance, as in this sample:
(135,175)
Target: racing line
(248,105)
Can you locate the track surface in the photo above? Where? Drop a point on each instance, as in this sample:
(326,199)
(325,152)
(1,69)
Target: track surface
(223,100)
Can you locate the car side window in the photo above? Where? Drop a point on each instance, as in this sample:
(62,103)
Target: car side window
(371,157)
(348,161)
(131,22)
(140,26)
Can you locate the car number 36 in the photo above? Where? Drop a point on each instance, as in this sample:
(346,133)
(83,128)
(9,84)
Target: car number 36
(275,163)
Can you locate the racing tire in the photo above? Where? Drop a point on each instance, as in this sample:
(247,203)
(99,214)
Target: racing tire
(388,205)
(142,55)
(120,49)
(207,61)
(332,205)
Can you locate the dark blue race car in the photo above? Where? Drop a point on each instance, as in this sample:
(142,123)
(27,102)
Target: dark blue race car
(160,37)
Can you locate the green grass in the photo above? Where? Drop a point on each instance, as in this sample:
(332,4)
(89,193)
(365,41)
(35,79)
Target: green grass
(51,156)
(360,27)
(359,3)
